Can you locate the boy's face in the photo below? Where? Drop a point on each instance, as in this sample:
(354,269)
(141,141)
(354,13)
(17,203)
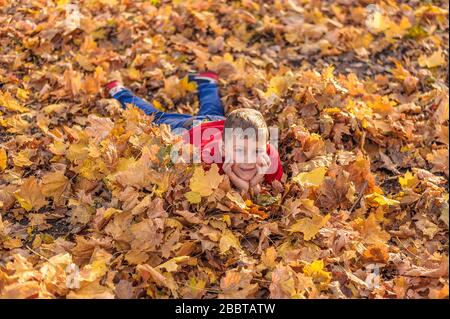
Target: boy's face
(245,154)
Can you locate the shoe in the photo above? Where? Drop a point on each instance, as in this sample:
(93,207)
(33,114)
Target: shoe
(203,77)
(113,87)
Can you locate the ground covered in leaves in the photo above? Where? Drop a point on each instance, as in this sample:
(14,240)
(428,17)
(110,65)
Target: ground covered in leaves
(91,205)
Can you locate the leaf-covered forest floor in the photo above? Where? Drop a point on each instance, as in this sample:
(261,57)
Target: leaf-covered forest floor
(91,205)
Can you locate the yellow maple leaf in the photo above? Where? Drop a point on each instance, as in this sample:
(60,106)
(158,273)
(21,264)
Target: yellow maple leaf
(395,30)
(377,199)
(134,74)
(57,148)
(172,264)
(73,81)
(91,290)
(370,230)
(228,240)
(158,105)
(312,178)
(377,22)
(3,159)
(237,199)
(317,272)
(193,197)
(309,226)
(332,110)
(54,184)
(268,258)
(203,183)
(29,195)
(161,182)
(77,152)
(408,180)
(10,103)
(15,123)
(11,243)
(228,57)
(227,219)
(97,268)
(22,94)
(434,60)
(188,86)
(84,62)
(399,72)
(93,169)
(110,3)
(327,73)
(62,3)
(381,104)
(22,159)
(279,85)
(430,9)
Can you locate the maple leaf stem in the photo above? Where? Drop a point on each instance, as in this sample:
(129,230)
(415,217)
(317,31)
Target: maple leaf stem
(361,193)
(36,253)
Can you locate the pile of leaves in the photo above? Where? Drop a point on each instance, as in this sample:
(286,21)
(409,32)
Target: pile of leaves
(93,207)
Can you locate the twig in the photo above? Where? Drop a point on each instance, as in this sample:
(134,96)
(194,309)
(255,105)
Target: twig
(398,240)
(361,193)
(286,193)
(35,252)
(363,141)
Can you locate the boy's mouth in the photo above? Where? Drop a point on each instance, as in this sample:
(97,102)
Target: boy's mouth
(247,169)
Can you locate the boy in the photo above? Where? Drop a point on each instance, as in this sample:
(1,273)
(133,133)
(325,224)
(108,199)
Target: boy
(238,143)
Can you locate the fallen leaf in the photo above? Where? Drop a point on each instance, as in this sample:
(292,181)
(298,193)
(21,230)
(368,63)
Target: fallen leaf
(30,196)
(309,226)
(432,61)
(312,178)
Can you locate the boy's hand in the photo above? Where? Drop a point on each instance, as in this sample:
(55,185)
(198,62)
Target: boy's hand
(238,182)
(263,165)
(255,190)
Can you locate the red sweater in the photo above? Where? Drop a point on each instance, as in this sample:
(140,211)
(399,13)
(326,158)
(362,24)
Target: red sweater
(208,140)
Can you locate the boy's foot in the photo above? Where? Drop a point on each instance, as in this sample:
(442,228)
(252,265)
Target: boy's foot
(113,87)
(114,84)
(203,77)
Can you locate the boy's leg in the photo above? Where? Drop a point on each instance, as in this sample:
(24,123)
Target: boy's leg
(208,94)
(125,96)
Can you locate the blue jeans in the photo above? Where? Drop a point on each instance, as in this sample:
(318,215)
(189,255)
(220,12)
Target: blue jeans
(211,108)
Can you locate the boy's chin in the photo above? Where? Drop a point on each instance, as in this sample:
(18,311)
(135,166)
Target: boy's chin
(246,176)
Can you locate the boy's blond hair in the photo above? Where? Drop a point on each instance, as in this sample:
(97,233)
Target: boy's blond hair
(245,118)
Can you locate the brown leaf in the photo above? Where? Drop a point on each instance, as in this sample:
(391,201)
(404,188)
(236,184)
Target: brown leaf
(29,195)
(237,285)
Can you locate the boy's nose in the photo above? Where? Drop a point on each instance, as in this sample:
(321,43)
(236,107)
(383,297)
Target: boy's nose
(250,158)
